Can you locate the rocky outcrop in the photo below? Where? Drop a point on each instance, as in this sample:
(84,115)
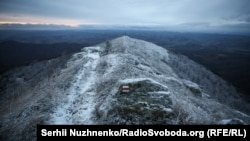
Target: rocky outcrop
(146,102)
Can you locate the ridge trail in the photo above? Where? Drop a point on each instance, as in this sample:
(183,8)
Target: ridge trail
(78,107)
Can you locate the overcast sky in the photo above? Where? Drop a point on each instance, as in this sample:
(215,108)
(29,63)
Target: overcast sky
(175,13)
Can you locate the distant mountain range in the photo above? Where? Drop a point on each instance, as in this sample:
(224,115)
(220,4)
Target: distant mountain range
(226,55)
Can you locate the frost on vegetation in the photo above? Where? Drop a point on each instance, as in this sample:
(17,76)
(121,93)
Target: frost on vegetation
(210,84)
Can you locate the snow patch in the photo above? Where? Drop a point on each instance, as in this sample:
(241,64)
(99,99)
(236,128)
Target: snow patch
(231,121)
(168,110)
(135,80)
(160,92)
(191,84)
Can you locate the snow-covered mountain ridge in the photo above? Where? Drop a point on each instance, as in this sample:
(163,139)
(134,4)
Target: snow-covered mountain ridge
(122,81)
(157,95)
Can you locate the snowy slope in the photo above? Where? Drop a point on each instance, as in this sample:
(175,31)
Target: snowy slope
(87,88)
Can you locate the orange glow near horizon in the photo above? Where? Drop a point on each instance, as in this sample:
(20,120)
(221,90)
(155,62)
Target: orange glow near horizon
(73,25)
(26,20)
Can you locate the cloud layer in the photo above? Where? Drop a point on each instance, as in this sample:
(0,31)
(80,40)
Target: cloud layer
(193,13)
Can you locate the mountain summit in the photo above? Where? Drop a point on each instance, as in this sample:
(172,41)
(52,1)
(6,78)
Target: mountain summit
(121,81)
